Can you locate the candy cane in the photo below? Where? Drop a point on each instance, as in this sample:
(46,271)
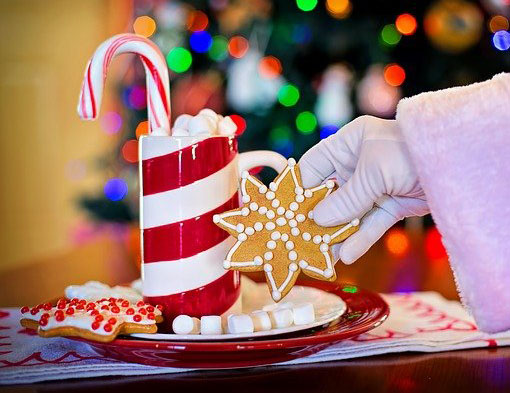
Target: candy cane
(158,86)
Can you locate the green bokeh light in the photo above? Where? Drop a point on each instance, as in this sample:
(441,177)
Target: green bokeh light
(288,95)
(350,289)
(219,48)
(179,59)
(306,122)
(390,35)
(280,136)
(306,5)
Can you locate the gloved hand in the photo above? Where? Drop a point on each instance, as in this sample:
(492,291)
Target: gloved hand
(377,180)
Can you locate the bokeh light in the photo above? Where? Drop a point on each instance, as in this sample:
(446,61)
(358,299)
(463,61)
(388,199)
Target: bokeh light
(306,122)
(240,123)
(397,242)
(497,23)
(281,141)
(306,5)
(327,130)
(394,75)
(301,33)
(270,67)
(197,21)
(288,95)
(111,122)
(238,46)
(339,8)
(115,189)
(501,40)
(406,24)
(219,48)
(200,41)
(179,59)
(390,35)
(135,97)
(434,248)
(142,128)
(130,151)
(144,25)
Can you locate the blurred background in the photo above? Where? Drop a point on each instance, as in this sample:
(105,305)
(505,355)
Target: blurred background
(289,72)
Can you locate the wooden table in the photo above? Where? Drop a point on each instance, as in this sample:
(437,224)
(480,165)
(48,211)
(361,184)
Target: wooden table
(484,370)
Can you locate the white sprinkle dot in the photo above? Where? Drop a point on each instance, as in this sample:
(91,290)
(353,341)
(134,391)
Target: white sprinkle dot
(300,217)
(268,267)
(303,264)
(245,211)
(276,235)
(258,226)
(276,295)
(226,264)
(273,186)
(270,214)
(293,255)
(245,174)
(280,210)
(242,237)
(275,203)
(300,198)
(285,237)
(293,267)
(270,226)
(258,260)
(291,161)
(281,221)
(299,190)
(324,247)
(268,256)
(216,218)
(246,198)
(330,184)
(310,214)
(308,193)
(239,227)
(355,222)
(294,231)
(271,244)
(293,206)
(317,239)
(293,223)
(306,236)
(270,195)
(328,273)
(289,245)
(249,231)
(262,189)
(262,210)
(289,214)
(253,206)
(326,238)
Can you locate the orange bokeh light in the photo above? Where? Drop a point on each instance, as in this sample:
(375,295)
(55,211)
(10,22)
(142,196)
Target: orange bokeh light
(497,23)
(130,151)
(406,24)
(197,21)
(144,25)
(397,242)
(270,67)
(394,75)
(339,8)
(142,128)
(238,46)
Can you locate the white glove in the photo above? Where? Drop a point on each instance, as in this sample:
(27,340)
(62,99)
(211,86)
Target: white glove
(371,162)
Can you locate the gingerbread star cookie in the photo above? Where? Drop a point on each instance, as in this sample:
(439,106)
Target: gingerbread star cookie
(276,233)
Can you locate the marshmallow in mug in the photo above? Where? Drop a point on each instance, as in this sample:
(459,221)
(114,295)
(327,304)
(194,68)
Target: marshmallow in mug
(94,290)
(206,122)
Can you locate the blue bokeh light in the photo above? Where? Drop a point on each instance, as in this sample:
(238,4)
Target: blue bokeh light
(327,131)
(501,40)
(115,189)
(301,34)
(200,41)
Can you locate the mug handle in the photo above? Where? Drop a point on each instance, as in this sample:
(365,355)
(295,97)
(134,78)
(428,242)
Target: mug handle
(252,159)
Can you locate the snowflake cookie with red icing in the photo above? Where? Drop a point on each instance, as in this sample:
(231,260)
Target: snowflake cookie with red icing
(276,233)
(101,320)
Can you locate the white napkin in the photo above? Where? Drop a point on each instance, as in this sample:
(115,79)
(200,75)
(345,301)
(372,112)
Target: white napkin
(422,321)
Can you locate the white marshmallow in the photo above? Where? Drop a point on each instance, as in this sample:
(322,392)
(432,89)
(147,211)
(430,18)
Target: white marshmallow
(261,320)
(303,314)
(182,121)
(210,324)
(184,324)
(179,132)
(201,125)
(240,323)
(227,127)
(281,318)
(274,306)
(209,113)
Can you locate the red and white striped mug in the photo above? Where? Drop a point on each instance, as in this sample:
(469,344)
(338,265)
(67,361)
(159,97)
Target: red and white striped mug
(184,181)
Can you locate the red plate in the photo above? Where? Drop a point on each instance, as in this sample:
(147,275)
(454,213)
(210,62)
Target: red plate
(365,311)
